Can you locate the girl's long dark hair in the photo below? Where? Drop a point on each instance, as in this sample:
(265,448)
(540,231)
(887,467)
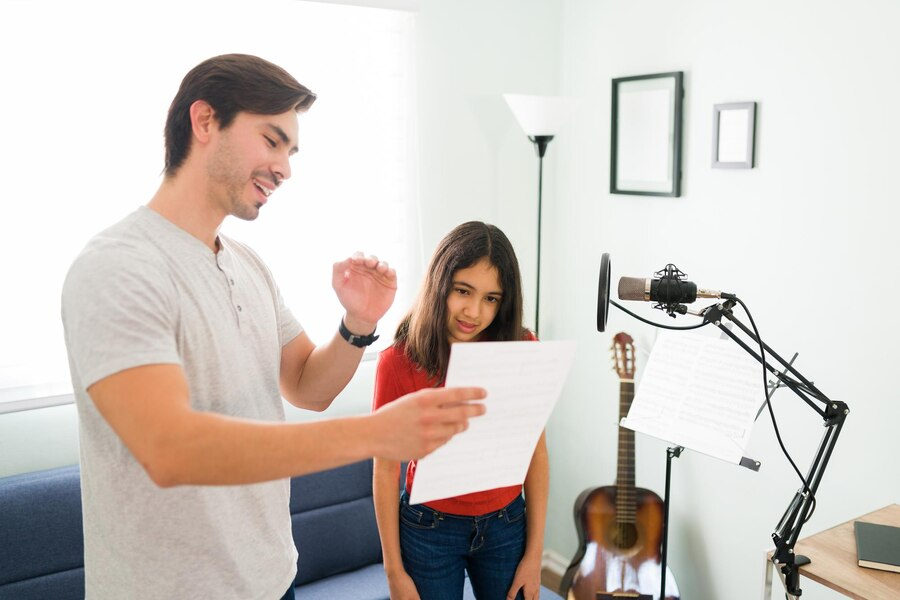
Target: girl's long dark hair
(423,331)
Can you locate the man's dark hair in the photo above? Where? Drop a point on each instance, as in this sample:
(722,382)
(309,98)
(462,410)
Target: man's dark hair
(230,83)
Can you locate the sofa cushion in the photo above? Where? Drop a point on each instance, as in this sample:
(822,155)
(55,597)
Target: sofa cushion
(333,520)
(367,583)
(66,585)
(41,536)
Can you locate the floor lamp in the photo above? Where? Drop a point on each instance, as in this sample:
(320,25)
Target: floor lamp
(540,117)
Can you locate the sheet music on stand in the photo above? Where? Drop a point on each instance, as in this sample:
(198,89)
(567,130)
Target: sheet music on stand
(699,392)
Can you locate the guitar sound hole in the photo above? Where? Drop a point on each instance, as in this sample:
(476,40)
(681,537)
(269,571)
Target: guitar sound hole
(625,535)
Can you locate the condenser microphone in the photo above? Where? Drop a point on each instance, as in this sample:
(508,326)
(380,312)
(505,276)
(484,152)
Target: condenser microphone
(665,290)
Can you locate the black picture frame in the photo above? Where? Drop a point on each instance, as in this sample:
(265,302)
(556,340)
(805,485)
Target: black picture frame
(734,135)
(645,156)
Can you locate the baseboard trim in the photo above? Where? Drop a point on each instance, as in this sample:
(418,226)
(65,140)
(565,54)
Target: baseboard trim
(554,562)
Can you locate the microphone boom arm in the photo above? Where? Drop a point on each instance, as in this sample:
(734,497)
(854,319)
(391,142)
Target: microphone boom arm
(714,315)
(834,413)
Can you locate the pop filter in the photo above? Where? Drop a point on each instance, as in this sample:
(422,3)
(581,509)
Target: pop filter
(603,293)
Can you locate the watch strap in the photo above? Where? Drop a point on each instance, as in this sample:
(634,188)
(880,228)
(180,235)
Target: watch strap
(360,341)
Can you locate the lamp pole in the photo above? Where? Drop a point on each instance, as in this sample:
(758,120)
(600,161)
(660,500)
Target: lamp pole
(540,117)
(540,146)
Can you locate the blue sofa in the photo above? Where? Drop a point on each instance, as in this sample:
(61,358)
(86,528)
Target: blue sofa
(333,519)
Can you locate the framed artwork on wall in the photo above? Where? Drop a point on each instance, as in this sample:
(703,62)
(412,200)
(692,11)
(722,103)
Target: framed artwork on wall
(734,132)
(645,154)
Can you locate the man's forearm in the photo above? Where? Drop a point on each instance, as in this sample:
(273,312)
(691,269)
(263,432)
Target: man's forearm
(209,449)
(326,372)
(149,409)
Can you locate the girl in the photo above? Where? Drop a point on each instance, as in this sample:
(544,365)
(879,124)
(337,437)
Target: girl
(472,292)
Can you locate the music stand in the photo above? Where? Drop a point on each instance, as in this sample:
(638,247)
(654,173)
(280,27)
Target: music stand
(698,393)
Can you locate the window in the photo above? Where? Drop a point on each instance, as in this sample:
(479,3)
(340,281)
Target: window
(86,94)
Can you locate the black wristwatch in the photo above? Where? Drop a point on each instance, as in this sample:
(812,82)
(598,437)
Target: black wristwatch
(360,341)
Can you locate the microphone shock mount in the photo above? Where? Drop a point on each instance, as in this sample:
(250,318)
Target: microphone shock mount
(670,292)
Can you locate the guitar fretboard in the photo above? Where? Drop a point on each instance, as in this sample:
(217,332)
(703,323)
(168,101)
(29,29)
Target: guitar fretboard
(625,496)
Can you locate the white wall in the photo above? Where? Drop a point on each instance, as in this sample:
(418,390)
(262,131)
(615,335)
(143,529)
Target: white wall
(806,239)
(475,162)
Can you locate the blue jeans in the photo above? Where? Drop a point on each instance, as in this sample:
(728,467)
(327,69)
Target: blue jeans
(438,548)
(289,595)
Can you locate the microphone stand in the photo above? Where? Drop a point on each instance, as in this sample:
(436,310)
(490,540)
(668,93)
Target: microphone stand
(671,452)
(834,412)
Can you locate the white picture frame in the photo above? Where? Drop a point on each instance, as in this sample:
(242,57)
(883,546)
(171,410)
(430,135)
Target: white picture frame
(733,140)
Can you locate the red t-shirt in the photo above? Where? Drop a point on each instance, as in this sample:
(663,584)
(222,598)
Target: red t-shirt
(397,376)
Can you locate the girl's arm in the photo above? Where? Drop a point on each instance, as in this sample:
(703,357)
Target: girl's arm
(537,489)
(386,492)
(386,483)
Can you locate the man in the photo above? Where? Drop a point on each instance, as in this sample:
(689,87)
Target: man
(180,349)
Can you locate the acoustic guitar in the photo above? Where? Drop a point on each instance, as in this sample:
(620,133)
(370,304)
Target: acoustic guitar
(619,527)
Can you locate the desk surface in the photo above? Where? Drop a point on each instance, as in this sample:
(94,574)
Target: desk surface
(833,556)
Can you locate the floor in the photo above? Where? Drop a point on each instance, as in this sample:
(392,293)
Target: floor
(550,580)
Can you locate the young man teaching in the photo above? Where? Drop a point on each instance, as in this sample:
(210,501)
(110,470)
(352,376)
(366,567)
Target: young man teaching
(181,349)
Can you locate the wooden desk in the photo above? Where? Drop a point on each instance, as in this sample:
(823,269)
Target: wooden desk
(833,556)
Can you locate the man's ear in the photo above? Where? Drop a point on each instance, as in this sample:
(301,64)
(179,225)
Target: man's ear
(202,120)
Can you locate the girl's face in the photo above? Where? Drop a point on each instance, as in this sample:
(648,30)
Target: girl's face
(473,301)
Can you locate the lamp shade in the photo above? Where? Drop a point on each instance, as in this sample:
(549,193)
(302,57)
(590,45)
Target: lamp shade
(538,115)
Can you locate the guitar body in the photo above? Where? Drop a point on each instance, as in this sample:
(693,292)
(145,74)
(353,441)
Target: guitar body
(617,559)
(620,527)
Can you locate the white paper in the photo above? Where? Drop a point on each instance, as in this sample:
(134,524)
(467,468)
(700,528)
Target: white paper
(699,392)
(523,382)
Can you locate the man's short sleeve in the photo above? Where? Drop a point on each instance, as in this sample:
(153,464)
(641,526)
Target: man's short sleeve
(288,326)
(119,311)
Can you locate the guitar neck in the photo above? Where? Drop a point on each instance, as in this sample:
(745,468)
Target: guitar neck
(625,496)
